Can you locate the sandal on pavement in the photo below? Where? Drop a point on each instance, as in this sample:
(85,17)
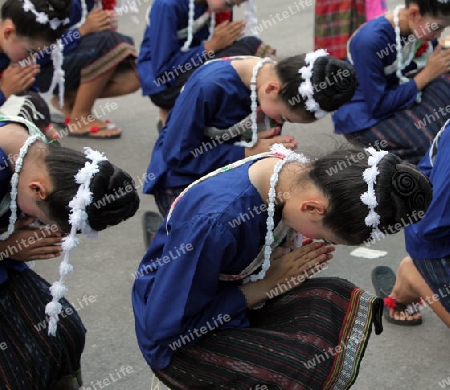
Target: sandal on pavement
(96,130)
(383,280)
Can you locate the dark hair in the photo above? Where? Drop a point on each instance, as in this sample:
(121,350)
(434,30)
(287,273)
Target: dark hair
(334,82)
(403,193)
(26,23)
(430,7)
(114,200)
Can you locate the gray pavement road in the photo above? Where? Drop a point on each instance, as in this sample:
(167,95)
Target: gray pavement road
(399,359)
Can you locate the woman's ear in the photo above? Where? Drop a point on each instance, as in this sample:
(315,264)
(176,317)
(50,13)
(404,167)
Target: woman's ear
(40,190)
(315,208)
(414,13)
(273,88)
(8,29)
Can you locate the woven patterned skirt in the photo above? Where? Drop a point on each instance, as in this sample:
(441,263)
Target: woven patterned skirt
(335,22)
(30,359)
(246,46)
(95,55)
(409,133)
(310,338)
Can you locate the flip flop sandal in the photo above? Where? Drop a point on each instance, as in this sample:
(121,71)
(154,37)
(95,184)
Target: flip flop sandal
(383,280)
(93,130)
(151,222)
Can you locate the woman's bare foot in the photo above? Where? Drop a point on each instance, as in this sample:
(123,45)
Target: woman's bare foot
(91,127)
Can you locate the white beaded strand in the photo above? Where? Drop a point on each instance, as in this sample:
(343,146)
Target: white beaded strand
(84,13)
(254,101)
(398,45)
(251,19)
(190,35)
(287,156)
(14,181)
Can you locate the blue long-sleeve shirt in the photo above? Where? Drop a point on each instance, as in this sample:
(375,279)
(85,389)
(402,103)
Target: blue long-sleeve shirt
(378,95)
(72,37)
(160,57)
(213,230)
(214,96)
(5,187)
(430,237)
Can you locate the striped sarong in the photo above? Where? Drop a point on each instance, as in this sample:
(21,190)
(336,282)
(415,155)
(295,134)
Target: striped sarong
(335,22)
(95,55)
(30,359)
(312,337)
(436,273)
(409,133)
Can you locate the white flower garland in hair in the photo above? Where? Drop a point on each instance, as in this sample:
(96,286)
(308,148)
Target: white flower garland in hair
(254,101)
(191,14)
(42,17)
(14,181)
(398,46)
(287,156)
(369,198)
(78,218)
(306,88)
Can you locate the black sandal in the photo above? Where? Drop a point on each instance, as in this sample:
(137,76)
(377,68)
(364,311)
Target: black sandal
(383,280)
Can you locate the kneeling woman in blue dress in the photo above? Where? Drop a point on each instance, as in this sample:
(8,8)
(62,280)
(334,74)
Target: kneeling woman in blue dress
(223,299)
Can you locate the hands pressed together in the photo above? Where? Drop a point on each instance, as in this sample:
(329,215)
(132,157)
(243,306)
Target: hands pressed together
(98,20)
(269,137)
(437,64)
(29,243)
(287,264)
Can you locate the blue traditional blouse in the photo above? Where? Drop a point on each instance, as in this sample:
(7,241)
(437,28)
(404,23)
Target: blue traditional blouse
(378,95)
(5,188)
(214,96)
(160,56)
(71,38)
(217,227)
(430,237)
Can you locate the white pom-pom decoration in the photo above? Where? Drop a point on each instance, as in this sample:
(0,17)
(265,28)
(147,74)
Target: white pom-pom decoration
(58,290)
(306,88)
(78,218)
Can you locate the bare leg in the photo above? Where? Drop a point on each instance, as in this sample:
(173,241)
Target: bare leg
(69,99)
(84,102)
(409,287)
(122,83)
(163,116)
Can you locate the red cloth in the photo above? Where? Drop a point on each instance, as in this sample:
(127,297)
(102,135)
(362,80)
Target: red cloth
(222,17)
(109,5)
(335,23)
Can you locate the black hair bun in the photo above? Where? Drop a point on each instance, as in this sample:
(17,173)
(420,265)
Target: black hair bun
(334,82)
(115,197)
(59,9)
(404,193)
